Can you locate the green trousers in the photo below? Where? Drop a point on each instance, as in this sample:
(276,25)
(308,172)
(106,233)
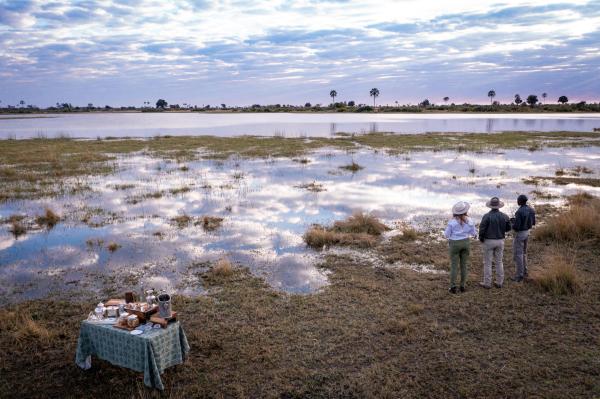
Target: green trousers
(459,255)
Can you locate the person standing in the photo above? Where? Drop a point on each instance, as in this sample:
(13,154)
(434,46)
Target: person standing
(492,232)
(458,232)
(522,222)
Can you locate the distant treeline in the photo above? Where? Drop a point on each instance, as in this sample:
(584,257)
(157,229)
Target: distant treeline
(349,106)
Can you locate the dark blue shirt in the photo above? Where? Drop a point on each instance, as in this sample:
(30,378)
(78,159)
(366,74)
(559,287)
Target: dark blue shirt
(524,218)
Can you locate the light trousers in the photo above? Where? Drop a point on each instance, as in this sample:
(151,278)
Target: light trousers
(493,250)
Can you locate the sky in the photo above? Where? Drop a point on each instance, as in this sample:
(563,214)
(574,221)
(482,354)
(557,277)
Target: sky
(238,52)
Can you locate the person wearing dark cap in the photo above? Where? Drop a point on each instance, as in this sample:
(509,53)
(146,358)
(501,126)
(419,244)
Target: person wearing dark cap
(492,232)
(522,222)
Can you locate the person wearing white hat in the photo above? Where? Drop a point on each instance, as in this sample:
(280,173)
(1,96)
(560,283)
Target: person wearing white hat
(492,232)
(460,228)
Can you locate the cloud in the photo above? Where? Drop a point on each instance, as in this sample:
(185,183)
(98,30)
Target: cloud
(295,51)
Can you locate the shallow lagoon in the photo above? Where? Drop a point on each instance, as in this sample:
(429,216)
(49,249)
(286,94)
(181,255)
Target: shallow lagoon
(266,208)
(92,125)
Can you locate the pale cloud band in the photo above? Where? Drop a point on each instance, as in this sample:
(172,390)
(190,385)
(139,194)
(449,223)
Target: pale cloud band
(241,52)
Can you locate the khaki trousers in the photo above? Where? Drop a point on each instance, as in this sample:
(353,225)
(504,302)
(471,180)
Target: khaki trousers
(493,250)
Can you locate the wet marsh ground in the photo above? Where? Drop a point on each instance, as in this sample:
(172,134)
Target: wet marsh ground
(265,315)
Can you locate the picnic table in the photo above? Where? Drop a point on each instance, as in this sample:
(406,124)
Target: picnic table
(151,352)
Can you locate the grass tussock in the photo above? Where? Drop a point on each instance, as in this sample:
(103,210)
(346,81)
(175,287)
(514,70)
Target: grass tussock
(23,329)
(352,167)
(17,229)
(361,222)
(223,268)
(580,222)
(360,230)
(182,221)
(49,219)
(211,223)
(559,276)
(113,246)
(179,190)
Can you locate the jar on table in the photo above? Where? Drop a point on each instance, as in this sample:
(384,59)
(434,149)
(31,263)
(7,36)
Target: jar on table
(133,321)
(123,318)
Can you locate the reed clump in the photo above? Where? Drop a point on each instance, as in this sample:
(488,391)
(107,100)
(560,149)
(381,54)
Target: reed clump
(352,167)
(580,222)
(559,276)
(360,230)
(23,328)
(223,268)
(182,221)
(48,219)
(211,223)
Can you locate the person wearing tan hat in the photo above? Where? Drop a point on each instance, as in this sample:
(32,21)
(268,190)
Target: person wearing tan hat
(460,228)
(492,232)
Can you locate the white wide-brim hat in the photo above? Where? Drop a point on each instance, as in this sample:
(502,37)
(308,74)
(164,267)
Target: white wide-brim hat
(494,203)
(460,208)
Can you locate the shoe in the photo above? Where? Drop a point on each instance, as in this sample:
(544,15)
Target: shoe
(462,289)
(516,279)
(497,285)
(487,287)
(452,290)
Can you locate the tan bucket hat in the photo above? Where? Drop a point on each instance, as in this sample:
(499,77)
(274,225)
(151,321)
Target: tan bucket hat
(494,203)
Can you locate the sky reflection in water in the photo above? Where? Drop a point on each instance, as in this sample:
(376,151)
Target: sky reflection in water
(265,214)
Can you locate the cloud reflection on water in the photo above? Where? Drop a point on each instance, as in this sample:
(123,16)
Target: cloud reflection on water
(264,211)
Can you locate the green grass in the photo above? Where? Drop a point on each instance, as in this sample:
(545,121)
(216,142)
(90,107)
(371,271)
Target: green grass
(35,168)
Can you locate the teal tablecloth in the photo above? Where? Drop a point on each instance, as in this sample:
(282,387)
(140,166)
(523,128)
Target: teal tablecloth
(151,352)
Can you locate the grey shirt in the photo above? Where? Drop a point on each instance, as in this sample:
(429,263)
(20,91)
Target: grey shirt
(494,225)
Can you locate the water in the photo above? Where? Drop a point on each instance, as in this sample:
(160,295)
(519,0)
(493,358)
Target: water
(94,125)
(265,214)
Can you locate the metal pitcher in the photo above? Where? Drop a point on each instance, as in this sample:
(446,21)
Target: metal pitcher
(164,306)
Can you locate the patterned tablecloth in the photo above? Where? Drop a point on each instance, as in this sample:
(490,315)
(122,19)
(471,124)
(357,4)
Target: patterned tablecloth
(151,352)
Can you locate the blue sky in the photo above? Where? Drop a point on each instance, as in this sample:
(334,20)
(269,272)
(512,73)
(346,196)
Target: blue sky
(242,52)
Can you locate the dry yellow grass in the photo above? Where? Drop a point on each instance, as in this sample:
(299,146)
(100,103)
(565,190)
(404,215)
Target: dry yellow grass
(559,276)
(360,230)
(361,222)
(48,219)
(223,268)
(580,222)
(113,246)
(22,328)
(211,223)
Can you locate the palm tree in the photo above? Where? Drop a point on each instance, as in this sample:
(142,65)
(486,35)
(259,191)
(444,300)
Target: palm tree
(333,94)
(544,95)
(374,93)
(446,99)
(518,99)
(491,95)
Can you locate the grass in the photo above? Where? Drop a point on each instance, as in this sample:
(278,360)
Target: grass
(180,190)
(21,328)
(368,334)
(313,187)
(49,219)
(17,228)
(211,223)
(223,268)
(359,230)
(559,276)
(580,222)
(182,221)
(41,167)
(113,246)
(352,167)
